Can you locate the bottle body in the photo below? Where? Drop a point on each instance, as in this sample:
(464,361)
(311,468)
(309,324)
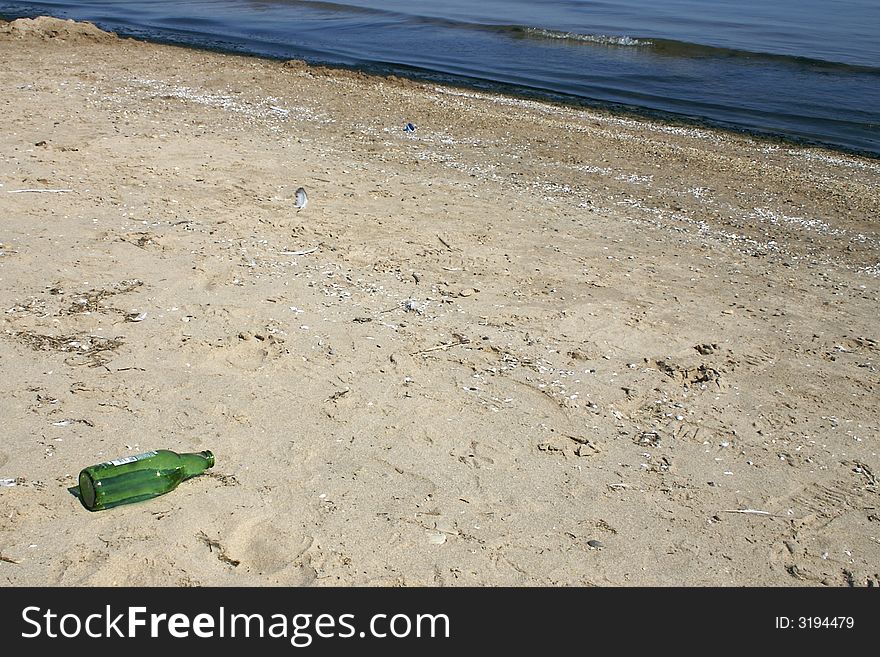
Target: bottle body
(136,478)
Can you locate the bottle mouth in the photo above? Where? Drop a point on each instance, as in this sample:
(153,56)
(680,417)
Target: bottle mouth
(210,456)
(87,490)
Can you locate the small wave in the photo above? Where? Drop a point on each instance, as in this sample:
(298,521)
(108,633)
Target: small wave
(685,49)
(673,48)
(599,39)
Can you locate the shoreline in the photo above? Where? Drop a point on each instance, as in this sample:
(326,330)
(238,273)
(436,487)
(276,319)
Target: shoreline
(523,344)
(524,92)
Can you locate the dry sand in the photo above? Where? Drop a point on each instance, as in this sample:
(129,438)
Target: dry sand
(523,345)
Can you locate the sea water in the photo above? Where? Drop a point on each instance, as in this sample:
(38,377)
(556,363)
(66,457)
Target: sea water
(807,70)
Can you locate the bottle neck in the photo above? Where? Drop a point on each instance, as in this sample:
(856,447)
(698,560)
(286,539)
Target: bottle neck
(196,463)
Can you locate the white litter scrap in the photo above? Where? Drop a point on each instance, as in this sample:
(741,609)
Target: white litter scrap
(412,306)
(299,253)
(8,483)
(302,198)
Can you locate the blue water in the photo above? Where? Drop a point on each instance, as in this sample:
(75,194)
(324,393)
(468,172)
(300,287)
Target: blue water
(807,70)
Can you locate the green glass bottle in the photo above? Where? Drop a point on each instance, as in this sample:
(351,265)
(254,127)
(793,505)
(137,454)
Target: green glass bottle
(136,478)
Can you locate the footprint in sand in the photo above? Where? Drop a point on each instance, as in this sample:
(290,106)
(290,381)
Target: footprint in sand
(250,351)
(274,553)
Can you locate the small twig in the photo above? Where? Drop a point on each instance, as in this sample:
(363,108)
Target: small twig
(7,559)
(39,191)
(299,253)
(221,553)
(336,395)
(442,346)
(444,242)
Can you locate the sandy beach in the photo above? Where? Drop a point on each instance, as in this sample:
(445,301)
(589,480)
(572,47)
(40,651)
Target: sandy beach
(522,344)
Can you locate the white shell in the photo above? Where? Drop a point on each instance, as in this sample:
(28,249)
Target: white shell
(301,198)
